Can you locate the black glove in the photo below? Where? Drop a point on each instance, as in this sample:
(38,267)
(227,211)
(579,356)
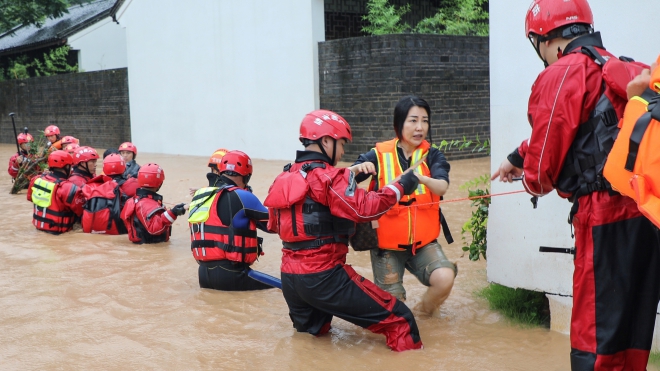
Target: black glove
(178,210)
(409,182)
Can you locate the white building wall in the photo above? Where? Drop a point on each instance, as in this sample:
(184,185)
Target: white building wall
(515,230)
(102,46)
(210,74)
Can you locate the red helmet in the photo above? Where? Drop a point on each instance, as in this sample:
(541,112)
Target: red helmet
(71,148)
(544,16)
(237,162)
(84,154)
(114,164)
(216,157)
(320,123)
(128,146)
(59,159)
(52,130)
(24,138)
(69,140)
(151,175)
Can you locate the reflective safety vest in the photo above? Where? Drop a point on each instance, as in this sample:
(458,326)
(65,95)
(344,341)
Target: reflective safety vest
(103,207)
(50,214)
(633,166)
(415,221)
(213,240)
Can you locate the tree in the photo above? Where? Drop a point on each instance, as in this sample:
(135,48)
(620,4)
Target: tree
(458,17)
(32,12)
(384,18)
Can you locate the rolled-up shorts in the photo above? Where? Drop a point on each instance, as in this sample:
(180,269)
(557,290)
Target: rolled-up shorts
(388,266)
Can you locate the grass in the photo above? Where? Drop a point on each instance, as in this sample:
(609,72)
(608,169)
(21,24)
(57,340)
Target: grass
(523,307)
(654,359)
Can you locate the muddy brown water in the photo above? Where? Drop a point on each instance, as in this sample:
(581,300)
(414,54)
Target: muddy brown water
(81,301)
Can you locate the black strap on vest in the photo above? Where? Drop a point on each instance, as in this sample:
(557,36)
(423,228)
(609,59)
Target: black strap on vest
(313,244)
(224,246)
(640,128)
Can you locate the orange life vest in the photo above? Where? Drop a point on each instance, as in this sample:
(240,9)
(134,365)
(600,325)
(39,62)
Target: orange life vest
(633,166)
(415,220)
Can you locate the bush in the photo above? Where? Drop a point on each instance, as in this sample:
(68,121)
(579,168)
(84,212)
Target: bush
(524,307)
(384,18)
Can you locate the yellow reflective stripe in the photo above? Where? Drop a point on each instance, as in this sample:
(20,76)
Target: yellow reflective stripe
(640,99)
(200,207)
(416,156)
(388,159)
(42,195)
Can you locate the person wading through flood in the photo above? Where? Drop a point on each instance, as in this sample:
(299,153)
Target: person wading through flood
(407,234)
(57,201)
(223,219)
(314,206)
(574,115)
(146,220)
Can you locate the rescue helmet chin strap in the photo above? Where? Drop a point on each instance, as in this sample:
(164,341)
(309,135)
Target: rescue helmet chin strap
(334,149)
(537,48)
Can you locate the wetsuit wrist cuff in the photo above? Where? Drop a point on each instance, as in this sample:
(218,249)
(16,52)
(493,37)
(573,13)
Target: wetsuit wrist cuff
(515,159)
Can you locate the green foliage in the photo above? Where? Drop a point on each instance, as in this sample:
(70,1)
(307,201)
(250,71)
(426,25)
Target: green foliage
(477,225)
(18,68)
(384,18)
(461,144)
(55,63)
(654,359)
(38,163)
(524,307)
(32,12)
(454,17)
(462,17)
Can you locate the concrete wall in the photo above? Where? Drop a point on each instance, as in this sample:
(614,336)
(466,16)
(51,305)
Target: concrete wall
(515,230)
(362,79)
(91,106)
(210,74)
(102,46)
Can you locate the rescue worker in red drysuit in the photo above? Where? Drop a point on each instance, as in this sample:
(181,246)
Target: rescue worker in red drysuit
(314,206)
(15,162)
(106,196)
(57,201)
(84,165)
(616,283)
(146,220)
(223,219)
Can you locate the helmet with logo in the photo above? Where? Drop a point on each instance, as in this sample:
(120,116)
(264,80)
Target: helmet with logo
(24,138)
(128,146)
(59,159)
(71,148)
(550,19)
(236,163)
(51,130)
(84,154)
(114,164)
(68,139)
(320,123)
(216,157)
(151,175)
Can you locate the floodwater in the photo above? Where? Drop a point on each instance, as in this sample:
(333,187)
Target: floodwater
(81,301)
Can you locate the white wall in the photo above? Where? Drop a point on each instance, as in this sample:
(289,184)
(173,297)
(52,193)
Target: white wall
(102,46)
(515,230)
(209,74)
